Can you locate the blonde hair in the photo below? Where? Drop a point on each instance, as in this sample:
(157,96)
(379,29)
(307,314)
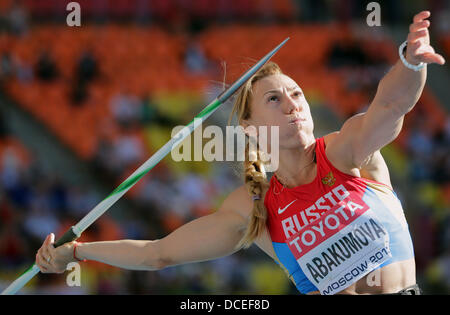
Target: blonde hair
(254,174)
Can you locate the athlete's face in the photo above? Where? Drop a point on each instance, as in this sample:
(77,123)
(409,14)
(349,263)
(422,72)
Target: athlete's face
(279,101)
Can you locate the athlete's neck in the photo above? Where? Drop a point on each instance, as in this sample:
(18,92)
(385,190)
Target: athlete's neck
(297,166)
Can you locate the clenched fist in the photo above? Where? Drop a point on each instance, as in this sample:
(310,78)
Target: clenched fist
(54,260)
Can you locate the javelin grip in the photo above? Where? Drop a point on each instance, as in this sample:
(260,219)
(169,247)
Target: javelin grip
(67,237)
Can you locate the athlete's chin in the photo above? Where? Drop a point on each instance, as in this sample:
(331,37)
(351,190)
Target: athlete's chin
(304,135)
(300,139)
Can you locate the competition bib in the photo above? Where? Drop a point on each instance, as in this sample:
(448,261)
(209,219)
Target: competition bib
(342,246)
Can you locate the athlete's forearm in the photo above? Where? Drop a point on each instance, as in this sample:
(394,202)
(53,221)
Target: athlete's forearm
(401,88)
(126,254)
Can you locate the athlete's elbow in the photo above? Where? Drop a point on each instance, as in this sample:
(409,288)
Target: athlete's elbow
(153,258)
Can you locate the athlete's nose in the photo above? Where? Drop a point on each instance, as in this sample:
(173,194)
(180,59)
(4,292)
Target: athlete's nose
(290,105)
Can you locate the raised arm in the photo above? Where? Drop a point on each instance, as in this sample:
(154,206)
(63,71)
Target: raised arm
(208,237)
(397,94)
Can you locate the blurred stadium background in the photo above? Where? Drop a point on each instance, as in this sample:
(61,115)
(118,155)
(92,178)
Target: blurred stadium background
(83,107)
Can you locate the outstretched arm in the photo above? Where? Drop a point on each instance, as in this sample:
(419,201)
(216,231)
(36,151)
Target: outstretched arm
(397,94)
(208,237)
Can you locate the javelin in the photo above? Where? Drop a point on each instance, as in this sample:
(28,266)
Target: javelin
(75,231)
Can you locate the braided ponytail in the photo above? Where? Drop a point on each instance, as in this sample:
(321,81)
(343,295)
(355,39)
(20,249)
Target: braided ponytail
(256,182)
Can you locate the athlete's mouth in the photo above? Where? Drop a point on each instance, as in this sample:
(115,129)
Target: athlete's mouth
(296,120)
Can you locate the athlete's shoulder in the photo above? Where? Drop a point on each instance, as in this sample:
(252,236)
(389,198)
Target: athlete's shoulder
(374,168)
(331,143)
(336,152)
(328,138)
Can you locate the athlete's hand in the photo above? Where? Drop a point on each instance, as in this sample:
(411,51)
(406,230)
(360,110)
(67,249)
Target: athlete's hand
(54,260)
(419,48)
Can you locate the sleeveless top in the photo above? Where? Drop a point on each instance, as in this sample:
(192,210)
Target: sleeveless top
(335,230)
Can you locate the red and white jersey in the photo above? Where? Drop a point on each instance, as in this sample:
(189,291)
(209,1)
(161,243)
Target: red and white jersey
(335,230)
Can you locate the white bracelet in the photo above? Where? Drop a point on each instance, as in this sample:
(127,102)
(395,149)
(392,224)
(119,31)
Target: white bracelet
(405,62)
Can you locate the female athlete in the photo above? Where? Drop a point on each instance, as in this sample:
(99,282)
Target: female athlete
(328,216)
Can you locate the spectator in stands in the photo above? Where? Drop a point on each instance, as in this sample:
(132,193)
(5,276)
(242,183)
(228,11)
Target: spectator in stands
(17,19)
(80,200)
(346,53)
(420,145)
(125,107)
(441,156)
(103,159)
(127,151)
(39,221)
(10,167)
(6,67)
(46,69)
(156,189)
(195,61)
(86,70)
(22,71)
(57,195)
(12,67)
(3,128)
(79,93)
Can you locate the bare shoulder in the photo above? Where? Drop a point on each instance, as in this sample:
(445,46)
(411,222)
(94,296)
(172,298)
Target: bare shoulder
(337,153)
(373,168)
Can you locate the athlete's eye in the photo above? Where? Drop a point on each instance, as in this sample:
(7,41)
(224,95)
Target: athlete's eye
(273,98)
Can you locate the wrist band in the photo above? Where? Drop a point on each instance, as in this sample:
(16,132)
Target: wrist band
(74,252)
(405,62)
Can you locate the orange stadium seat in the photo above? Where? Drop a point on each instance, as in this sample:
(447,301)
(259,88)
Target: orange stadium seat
(5,5)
